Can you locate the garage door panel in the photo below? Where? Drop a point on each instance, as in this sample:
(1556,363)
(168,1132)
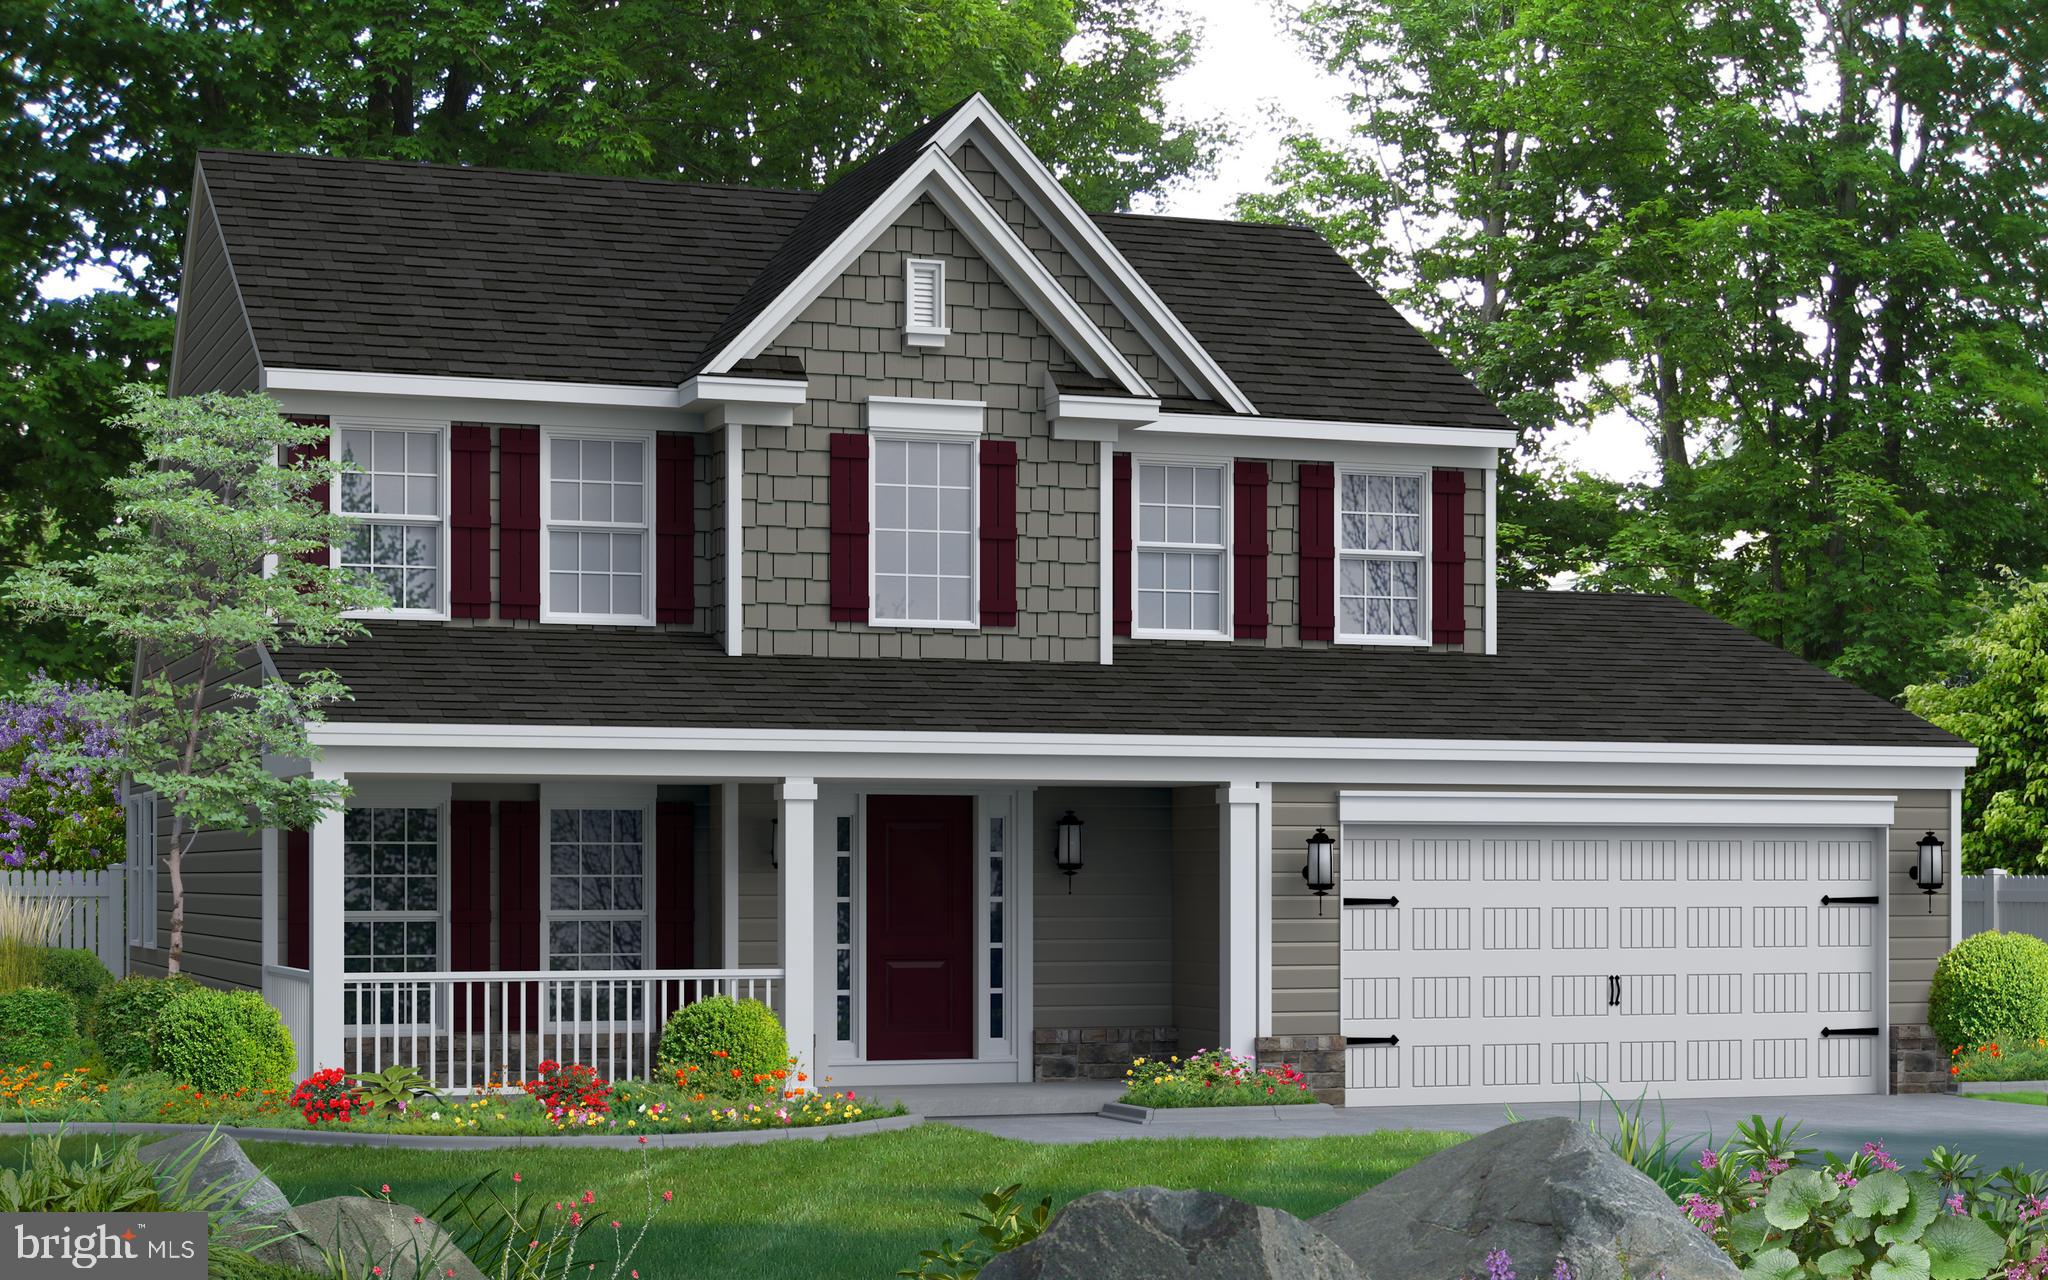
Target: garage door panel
(1548,963)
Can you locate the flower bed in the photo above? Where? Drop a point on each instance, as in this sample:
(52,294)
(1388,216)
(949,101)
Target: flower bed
(42,1092)
(1212,1078)
(1994,1061)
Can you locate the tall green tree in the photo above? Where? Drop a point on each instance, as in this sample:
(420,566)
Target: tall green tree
(107,102)
(1800,245)
(212,556)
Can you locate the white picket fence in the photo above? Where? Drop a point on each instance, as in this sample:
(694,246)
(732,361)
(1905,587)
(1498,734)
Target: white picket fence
(2011,904)
(94,917)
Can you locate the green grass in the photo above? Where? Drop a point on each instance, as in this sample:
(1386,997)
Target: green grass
(2031,1099)
(855,1207)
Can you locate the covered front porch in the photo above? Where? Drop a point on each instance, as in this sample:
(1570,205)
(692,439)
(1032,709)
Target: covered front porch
(906,931)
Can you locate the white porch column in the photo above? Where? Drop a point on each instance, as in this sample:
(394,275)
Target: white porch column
(1237,858)
(735,558)
(323,928)
(798,798)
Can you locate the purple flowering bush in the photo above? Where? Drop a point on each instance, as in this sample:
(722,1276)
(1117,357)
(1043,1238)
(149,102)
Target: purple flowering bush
(58,810)
(1784,1212)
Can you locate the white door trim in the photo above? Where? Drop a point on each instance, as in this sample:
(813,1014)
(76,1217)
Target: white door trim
(1578,809)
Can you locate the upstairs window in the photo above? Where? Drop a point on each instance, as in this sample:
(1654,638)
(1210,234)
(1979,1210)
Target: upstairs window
(597,529)
(1379,557)
(924,548)
(392,493)
(924,302)
(1181,550)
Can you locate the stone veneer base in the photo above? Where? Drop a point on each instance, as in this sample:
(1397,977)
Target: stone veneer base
(1097,1053)
(481,1142)
(1918,1063)
(1319,1058)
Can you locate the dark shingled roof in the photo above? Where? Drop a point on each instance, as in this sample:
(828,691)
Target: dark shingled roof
(391,267)
(1572,667)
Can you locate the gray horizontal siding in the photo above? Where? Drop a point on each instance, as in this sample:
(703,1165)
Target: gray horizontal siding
(1104,952)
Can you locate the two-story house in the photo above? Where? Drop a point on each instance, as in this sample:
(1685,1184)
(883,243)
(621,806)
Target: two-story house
(958,619)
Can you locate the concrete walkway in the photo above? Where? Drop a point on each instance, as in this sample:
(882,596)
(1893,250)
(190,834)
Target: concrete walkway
(1998,1133)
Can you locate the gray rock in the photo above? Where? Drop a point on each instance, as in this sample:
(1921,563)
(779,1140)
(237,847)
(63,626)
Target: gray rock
(247,1197)
(1541,1190)
(367,1233)
(1147,1233)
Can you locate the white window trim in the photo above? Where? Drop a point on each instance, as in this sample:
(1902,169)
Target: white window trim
(1227,631)
(599,797)
(548,613)
(924,335)
(440,430)
(929,430)
(1424,558)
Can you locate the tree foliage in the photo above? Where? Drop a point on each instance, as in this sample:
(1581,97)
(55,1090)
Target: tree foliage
(58,809)
(107,103)
(1801,245)
(213,556)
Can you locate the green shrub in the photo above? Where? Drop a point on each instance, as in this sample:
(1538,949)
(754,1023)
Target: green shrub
(78,974)
(1990,987)
(720,1035)
(125,1015)
(222,1041)
(36,1023)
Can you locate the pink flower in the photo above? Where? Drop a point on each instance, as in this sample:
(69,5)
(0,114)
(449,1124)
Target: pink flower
(1710,1158)
(668,1197)
(1955,1203)
(575,1219)
(515,1176)
(376,1271)
(533,1244)
(643,1141)
(387,1188)
(615,1224)
(1845,1179)
(590,1197)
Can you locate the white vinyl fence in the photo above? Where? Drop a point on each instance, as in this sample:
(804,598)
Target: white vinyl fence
(93,919)
(2011,904)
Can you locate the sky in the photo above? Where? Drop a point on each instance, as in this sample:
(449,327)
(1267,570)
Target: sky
(1248,70)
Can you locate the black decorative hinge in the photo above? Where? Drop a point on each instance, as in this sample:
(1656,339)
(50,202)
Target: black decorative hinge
(1372,902)
(1372,1039)
(1826,1032)
(1826,901)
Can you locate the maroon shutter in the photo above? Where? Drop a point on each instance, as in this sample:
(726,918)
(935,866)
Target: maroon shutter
(849,495)
(1447,556)
(1120,482)
(1318,551)
(1249,540)
(295,456)
(675,527)
(469,906)
(519,522)
(519,902)
(998,533)
(675,885)
(469,520)
(298,900)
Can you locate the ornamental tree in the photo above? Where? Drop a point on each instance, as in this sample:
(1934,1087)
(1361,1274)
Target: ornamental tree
(215,556)
(58,810)
(1995,695)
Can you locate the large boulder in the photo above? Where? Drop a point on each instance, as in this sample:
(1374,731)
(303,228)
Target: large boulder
(1149,1232)
(246,1197)
(1541,1190)
(367,1233)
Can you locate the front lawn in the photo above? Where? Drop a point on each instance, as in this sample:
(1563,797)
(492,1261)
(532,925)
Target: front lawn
(2031,1098)
(854,1207)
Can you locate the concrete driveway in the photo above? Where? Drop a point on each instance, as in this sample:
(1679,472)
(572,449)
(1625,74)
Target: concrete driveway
(1998,1133)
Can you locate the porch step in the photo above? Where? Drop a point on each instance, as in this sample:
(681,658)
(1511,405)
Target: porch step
(1051,1098)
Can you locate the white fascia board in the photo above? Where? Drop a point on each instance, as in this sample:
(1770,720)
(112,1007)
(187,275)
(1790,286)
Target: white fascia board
(980,123)
(708,390)
(600,394)
(1133,411)
(1620,809)
(1252,444)
(933,174)
(1204,424)
(910,415)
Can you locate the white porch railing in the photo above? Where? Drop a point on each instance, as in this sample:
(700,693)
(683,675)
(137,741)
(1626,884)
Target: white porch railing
(466,1030)
(290,991)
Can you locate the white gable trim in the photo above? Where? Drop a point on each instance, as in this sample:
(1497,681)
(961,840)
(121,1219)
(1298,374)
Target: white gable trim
(933,174)
(978,122)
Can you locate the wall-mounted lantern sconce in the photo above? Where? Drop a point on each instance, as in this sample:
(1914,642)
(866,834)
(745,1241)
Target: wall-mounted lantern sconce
(775,843)
(1929,871)
(1320,871)
(1066,848)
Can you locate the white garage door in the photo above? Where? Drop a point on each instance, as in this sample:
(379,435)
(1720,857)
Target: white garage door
(1523,963)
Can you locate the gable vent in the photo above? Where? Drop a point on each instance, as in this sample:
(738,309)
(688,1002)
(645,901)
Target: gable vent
(924,302)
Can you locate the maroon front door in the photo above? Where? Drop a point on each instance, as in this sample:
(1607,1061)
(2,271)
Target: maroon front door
(920,927)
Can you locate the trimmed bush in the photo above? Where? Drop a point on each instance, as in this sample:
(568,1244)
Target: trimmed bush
(36,1023)
(125,1015)
(1990,987)
(222,1041)
(720,1035)
(78,974)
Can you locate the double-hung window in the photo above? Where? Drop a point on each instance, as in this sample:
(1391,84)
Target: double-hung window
(924,535)
(1182,555)
(391,492)
(391,908)
(1379,557)
(596,890)
(597,542)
